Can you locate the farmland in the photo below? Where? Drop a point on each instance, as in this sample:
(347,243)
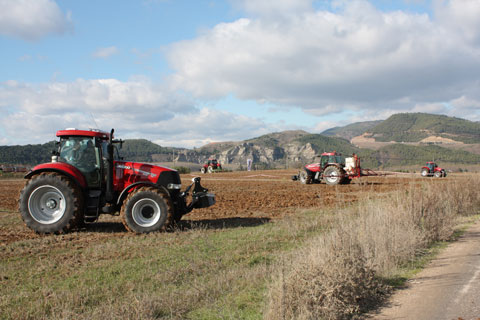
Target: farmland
(243,198)
(216,265)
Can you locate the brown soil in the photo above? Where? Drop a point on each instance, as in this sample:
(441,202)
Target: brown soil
(243,198)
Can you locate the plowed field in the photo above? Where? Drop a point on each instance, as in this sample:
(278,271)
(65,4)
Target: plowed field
(243,198)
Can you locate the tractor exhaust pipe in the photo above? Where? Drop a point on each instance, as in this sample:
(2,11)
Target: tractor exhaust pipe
(109,187)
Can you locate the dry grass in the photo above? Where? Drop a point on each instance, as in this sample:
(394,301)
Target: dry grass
(339,275)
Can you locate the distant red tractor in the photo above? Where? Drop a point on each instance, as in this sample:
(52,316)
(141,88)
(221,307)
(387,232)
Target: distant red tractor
(333,168)
(432,170)
(86,178)
(210,166)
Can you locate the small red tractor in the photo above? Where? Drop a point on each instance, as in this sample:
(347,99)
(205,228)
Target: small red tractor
(86,178)
(432,170)
(334,169)
(210,166)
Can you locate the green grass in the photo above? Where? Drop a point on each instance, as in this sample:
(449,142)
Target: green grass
(194,274)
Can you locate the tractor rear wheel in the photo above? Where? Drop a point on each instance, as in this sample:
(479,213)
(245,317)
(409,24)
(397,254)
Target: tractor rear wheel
(424,172)
(146,209)
(51,203)
(305,178)
(333,175)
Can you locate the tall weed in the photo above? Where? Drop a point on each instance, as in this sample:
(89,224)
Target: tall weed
(338,275)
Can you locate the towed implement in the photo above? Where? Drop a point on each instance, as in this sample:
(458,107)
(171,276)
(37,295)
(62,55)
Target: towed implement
(334,169)
(86,178)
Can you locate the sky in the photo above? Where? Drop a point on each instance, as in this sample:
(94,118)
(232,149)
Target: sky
(188,72)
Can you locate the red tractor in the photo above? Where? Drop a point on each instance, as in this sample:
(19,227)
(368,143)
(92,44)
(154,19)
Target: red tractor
(432,170)
(210,166)
(86,178)
(333,168)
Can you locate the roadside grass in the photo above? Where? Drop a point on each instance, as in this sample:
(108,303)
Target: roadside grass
(236,273)
(411,268)
(377,244)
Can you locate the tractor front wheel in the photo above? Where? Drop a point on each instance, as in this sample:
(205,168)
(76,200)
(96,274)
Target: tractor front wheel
(202,170)
(305,178)
(424,172)
(333,175)
(438,174)
(51,203)
(146,209)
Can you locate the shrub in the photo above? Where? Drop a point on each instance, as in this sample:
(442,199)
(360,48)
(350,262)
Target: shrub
(182,170)
(336,276)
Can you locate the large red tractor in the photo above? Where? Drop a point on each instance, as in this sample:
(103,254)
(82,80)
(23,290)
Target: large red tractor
(211,165)
(86,178)
(333,168)
(432,170)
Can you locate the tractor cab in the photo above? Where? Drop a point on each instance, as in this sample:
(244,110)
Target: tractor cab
(212,162)
(431,166)
(86,151)
(330,158)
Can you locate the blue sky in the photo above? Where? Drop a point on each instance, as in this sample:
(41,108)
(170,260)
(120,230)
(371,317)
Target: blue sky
(185,73)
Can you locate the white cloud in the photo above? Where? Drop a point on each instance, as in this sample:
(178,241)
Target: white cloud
(136,109)
(353,58)
(274,8)
(32,19)
(105,52)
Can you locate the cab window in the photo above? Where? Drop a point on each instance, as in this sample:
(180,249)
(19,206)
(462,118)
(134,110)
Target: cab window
(81,153)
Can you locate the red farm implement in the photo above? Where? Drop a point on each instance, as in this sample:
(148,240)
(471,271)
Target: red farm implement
(334,169)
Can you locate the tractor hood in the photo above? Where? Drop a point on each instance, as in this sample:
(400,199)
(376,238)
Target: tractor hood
(127,172)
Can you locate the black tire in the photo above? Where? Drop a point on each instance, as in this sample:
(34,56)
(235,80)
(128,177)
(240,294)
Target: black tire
(202,170)
(305,178)
(51,203)
(438,174)
(333,175)
(346,180)
(425,172)
(147,209)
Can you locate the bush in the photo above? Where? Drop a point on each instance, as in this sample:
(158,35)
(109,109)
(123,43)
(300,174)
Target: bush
(336,276)
(182,170)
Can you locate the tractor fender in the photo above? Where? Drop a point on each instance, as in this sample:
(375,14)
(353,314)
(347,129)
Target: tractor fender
(135,185)
(66,169)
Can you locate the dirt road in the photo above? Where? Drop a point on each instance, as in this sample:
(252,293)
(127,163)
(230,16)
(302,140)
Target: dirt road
(449,288)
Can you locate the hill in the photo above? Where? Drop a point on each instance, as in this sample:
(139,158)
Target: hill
(278,149)
(417,127)
(423,137)
(351,130)
(29,155)
(396,155)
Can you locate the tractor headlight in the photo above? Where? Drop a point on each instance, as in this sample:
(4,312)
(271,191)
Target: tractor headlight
(174,186)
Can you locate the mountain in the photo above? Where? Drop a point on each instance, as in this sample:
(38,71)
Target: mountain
(402,139)
(278,148)
(351,130)
(397,154)
(424,127)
